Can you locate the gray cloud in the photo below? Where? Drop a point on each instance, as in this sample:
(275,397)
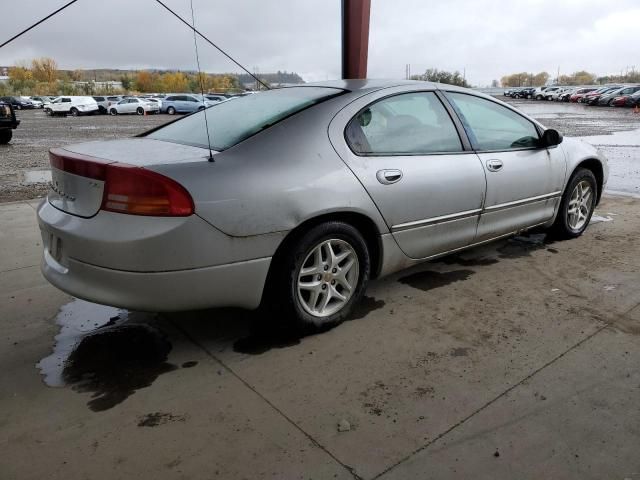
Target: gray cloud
(487,37)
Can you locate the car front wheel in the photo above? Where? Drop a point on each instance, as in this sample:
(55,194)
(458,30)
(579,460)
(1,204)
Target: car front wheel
(171,111)
(74,111)
(321,277)
(577,205)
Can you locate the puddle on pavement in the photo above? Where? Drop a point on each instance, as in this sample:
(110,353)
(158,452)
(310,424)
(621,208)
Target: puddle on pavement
(105,351)
(430,279)
(267,334)
(523,245)
(467,262)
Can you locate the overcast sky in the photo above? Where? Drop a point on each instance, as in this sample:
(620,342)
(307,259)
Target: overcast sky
(489,38)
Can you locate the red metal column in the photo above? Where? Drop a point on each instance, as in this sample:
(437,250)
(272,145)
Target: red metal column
(355,38)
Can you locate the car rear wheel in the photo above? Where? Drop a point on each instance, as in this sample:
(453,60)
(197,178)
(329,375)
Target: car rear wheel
(140,111)
(5,136)
(577,205)
(171,111)
(74,111)
(320,278)
(538,97)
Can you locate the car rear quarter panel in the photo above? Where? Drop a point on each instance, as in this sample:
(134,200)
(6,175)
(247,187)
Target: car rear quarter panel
(277,179)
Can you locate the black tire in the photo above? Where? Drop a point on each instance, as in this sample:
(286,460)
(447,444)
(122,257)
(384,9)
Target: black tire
(140,111)
(538,97)
(5,136)
(171,111)
(561,228)
(74,111)
(281,293)
(113,111)
(48,111)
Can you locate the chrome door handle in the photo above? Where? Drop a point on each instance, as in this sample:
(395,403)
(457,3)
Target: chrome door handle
(387,177)
(494,165)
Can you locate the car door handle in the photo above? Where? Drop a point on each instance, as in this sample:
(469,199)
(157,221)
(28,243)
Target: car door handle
(494,165)
(387,177)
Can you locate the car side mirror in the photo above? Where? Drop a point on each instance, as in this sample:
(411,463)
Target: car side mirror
(551,138)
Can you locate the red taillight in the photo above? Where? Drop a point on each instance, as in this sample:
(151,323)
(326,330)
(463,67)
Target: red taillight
(129,189)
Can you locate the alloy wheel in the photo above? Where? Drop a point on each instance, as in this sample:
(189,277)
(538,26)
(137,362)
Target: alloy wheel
(580,205)
(328,278)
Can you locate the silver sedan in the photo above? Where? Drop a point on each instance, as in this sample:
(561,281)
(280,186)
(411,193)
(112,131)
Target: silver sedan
(296,198)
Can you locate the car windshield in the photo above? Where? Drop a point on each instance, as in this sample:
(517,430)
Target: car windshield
(232,122)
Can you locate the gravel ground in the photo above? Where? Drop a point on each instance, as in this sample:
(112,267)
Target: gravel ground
(24,162)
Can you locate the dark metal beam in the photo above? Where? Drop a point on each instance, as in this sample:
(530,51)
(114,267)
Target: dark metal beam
(355,38)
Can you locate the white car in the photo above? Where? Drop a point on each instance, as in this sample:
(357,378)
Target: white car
(36,103)
(134,105)
(71,105)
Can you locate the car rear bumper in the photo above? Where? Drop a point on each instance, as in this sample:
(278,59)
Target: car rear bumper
(237,284)
(152,263)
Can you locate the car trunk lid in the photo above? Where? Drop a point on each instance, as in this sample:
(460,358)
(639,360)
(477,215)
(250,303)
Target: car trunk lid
(79,176)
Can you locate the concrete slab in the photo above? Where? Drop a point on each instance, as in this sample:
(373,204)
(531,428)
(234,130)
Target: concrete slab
(18,237)
(568,421)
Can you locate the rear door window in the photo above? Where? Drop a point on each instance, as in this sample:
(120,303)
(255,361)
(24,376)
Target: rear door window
(407,124)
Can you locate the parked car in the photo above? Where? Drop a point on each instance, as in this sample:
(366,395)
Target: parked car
(303,195)
(566,94)
(139,106)
(556,96)
(606,99)
(18,103)
(629,100)
(71,105)
(173,104)
(41,99)
(103,104)
(156,101)
(8,122)
(112,100)
(581,92)
(36,103)
(526,92)
(592,97)
(549,91)
(538,93)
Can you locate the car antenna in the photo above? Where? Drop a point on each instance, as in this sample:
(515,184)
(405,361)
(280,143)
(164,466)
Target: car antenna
(200,81)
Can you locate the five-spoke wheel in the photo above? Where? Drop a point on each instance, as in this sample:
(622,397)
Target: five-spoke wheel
(327,277)
(577,205)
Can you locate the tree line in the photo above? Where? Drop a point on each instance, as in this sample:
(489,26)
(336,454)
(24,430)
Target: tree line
(442,76)
(581,77)
(42,76)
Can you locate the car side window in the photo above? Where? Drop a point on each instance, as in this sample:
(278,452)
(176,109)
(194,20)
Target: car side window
(407,124)
(66,100)
(491,126)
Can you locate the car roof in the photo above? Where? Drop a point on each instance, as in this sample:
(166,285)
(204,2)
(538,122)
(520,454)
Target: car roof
(366,85)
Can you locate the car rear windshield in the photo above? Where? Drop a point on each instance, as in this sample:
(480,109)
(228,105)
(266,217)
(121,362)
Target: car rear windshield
(235,120)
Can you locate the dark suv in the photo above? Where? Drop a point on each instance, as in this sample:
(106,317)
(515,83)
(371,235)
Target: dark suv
(17,102)
(8,122)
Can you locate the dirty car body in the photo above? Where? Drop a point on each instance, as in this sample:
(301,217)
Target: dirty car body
(407,165)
